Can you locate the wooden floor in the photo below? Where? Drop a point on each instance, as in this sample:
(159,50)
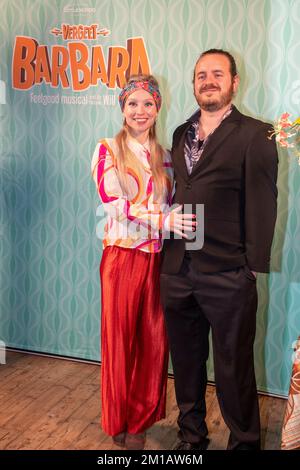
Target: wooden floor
(49,403)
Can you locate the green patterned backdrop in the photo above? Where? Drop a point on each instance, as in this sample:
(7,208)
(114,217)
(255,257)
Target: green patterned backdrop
(50,298)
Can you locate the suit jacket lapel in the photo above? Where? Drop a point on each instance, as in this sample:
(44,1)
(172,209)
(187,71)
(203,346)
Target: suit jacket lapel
(178,153)
(223,131)
(220,134)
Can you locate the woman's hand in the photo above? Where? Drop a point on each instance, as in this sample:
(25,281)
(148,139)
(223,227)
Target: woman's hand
(179,223)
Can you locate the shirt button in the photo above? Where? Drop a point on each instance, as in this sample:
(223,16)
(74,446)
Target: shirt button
(188,186)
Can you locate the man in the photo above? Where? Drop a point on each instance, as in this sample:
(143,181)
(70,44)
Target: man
(225,161)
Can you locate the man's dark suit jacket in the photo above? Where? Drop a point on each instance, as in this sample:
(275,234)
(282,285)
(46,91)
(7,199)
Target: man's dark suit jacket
(235,179)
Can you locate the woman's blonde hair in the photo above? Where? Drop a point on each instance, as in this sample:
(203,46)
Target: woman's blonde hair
(125,157)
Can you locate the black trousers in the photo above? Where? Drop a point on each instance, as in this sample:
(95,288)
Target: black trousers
(226,302)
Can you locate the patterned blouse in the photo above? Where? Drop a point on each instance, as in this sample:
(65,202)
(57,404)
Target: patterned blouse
(134,218)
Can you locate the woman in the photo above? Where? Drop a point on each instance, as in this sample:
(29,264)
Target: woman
(134,179)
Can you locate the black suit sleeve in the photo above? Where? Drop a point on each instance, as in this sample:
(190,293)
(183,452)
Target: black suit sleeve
(260,199)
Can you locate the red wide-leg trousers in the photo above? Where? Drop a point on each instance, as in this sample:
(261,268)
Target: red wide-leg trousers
(134,343)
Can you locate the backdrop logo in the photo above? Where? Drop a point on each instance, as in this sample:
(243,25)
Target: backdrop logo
(77,65)
(80,31)
(79,9)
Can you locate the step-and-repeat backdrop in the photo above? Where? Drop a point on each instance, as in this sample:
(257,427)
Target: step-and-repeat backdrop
(61,66)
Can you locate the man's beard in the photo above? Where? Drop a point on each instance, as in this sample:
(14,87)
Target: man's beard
(213,104)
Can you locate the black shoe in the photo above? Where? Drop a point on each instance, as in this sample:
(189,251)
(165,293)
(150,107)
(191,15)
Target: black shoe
(202,445)
(119,439)
(135,441)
